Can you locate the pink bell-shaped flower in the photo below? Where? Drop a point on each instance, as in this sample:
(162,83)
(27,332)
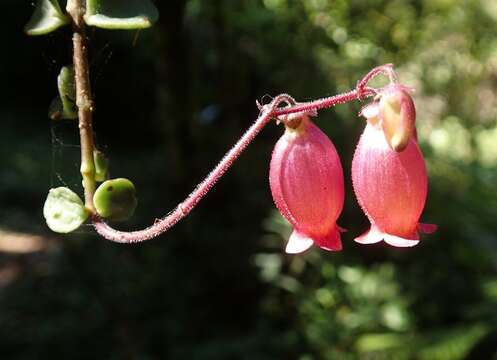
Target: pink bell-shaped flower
(391,186)
(306,180)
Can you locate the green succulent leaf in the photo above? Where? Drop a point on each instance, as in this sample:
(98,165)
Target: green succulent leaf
(63,210)
(121,15)
(101,166)
(64,105)
(46,18)
(67,92)
(115,199)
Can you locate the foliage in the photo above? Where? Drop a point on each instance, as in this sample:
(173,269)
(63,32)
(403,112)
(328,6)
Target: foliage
(63,210)
(115,14)
(47,17)
(64,105)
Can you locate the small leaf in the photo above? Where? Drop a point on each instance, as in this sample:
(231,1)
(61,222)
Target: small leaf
(63,210)
(119,14)
(64,105)
(101,166)
(67,92)
(115,199)
(46,18)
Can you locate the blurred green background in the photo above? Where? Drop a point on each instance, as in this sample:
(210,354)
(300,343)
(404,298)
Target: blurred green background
(169,102)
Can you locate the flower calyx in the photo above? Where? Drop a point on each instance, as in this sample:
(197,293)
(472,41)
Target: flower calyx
(294,120)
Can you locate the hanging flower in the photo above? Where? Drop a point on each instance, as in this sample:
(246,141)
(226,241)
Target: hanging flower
(389,173)
(306,180)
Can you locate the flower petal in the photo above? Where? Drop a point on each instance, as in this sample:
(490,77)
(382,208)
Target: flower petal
(370,111)
(298,243)
(371,236)
(391,187)
(399,241)
(330,242)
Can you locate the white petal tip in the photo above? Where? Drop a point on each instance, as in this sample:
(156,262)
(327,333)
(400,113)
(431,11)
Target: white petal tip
(399,242)
(374,236)
(371,236)
(370,111)
(298,243)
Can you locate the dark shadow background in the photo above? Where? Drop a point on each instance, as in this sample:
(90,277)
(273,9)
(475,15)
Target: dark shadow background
(170,101)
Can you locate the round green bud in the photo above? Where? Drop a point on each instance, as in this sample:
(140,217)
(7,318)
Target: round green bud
(115,199)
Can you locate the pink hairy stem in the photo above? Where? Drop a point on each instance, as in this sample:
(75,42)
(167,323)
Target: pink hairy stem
(202,189)
(268,112)
(386,69)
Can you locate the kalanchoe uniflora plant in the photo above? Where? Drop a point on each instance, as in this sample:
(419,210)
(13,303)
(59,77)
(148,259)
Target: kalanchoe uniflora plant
(388,171)
(306,177)
(306,180)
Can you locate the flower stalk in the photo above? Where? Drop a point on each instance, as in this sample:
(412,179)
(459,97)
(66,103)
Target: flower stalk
(268,112)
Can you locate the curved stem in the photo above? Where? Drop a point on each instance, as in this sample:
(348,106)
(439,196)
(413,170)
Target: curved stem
(200,191)
(327,102)
(386,69)
(272,110)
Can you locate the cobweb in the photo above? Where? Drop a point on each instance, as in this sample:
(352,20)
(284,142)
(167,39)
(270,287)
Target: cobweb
(63,153)
(65,159)
(65,148)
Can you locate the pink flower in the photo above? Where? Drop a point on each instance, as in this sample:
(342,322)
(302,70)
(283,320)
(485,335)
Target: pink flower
(389,173)
(306,180)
